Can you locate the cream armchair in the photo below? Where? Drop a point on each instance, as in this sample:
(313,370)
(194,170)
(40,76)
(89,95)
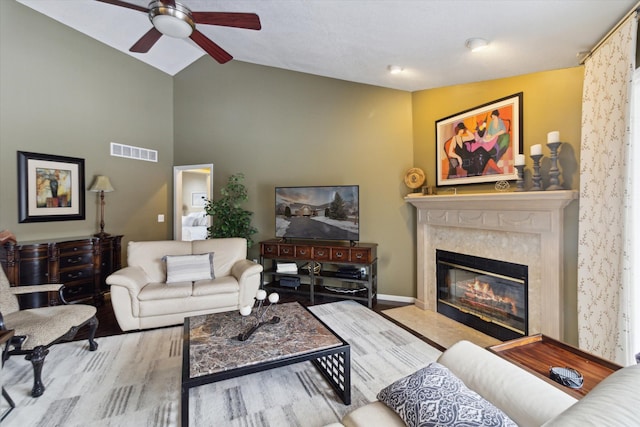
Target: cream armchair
(215,276)
(37,329)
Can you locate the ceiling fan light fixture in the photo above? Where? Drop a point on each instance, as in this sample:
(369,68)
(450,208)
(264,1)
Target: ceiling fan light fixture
(173,21)
(476,44)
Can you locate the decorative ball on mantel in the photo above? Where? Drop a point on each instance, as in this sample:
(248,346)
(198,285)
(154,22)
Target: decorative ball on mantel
(414,178)
(502,185)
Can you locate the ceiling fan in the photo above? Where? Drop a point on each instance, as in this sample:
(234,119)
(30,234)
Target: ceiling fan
(174,19)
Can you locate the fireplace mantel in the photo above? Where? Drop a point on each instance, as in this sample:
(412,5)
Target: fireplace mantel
(522,227)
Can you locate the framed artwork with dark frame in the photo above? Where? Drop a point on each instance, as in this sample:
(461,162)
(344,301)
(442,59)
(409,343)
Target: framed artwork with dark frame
(480,144)
(50,188)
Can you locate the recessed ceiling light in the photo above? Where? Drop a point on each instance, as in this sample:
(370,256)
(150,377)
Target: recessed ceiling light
(395,69)
(476,44)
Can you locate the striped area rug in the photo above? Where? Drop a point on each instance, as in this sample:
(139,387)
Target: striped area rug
(134,380)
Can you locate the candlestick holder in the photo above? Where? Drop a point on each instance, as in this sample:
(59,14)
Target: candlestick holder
(553,170)
(537,179)
(520,181)
(259,314)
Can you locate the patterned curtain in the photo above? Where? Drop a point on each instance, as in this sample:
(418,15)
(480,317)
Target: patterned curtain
(632,267)
(607,303)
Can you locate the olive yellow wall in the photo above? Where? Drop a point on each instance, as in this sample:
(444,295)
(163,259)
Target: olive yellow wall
(551,101)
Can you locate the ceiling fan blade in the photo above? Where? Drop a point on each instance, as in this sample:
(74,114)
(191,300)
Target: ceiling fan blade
(250,21)
(210,47)
(147,41)
(125,4)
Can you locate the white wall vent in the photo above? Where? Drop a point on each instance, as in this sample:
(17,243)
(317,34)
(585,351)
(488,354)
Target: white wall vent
(130,152)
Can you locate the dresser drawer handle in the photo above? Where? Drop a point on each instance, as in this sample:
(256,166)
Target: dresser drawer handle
(303,252)
(320,253)
(358,256)
(285,250)
(72,276)
(339,254)
(74,260)
(269,250)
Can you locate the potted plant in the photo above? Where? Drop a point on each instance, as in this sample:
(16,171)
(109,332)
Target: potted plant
(228,218)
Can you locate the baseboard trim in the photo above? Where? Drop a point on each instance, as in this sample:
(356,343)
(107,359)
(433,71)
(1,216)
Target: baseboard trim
(396,298)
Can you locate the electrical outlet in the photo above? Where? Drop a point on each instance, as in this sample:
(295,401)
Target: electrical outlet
(160,218)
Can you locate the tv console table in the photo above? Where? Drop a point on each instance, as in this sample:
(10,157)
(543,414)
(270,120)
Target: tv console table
(318,266)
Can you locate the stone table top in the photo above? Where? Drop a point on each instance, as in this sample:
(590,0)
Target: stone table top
(214,345)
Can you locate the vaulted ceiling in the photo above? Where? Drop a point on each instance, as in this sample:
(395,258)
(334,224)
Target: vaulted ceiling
(357,40)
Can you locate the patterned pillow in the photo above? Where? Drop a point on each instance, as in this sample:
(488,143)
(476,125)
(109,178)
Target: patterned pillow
(433,396)
(189,268)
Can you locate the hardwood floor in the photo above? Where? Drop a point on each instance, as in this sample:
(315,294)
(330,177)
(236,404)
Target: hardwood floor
(108,324)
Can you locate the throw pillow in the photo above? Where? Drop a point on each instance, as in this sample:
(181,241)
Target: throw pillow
(433,396)
(189,268)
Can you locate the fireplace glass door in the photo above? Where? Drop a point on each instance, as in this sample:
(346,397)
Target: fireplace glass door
(485,294)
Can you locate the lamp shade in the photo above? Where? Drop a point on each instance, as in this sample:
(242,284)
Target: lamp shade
(101,183)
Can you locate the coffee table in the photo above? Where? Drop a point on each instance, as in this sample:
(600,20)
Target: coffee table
(211,350)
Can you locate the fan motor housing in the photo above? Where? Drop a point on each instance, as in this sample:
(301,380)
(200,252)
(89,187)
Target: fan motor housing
(171,20)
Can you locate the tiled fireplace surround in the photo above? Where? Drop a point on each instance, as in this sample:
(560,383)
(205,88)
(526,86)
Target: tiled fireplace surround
(519,227)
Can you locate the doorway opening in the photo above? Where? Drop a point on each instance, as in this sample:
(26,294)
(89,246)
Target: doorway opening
(192,186)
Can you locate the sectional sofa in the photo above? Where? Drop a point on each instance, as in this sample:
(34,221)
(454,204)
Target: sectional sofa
(475,383)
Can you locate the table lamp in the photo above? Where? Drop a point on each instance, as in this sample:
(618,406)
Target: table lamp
(102,185)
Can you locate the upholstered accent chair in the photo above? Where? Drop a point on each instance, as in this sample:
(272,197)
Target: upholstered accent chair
(37,329)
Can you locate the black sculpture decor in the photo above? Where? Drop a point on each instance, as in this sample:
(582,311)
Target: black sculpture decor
(259,314)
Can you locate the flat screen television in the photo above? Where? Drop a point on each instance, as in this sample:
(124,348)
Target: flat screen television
(318,213)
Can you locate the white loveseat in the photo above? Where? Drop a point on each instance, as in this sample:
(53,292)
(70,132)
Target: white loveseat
(142,298)
(526,399)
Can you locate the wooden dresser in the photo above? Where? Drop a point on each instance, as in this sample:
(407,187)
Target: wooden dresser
(82,264)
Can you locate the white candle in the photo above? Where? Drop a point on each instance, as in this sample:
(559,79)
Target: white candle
(553,136)
(261,294)
(519,159)
(246,310)
(536,149)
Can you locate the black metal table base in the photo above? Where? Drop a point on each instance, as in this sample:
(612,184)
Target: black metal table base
(333,363)
(336,369)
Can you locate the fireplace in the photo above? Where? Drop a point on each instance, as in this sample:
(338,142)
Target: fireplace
(485,294)
(519,227)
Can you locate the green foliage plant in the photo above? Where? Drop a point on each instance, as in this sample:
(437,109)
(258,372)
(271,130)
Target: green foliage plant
(228,218)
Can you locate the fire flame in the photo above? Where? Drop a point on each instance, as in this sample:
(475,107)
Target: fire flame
(482,291)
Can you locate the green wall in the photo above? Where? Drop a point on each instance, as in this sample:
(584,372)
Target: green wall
(64,93)
(282,128)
